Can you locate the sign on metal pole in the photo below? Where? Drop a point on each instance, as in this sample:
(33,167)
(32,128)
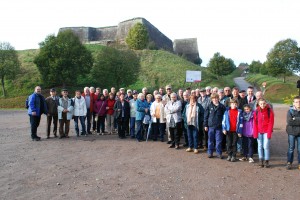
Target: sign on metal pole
(193,76)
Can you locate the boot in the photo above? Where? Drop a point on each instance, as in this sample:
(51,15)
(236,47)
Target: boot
(261,163)
(267,165)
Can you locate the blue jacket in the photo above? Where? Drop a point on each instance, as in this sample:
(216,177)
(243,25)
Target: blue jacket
(213,116)
(34,103)
(140,109)
(239,123)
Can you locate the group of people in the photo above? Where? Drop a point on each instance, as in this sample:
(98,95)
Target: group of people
(212,119)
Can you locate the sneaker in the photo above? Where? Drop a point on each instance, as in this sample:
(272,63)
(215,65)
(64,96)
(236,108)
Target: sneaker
(289,166)
(196,151)
(177,147)
(251,160)
(243,159)
(188,150)
(210,156)
(229,158)
(233,159)
(102,133)
(220,156)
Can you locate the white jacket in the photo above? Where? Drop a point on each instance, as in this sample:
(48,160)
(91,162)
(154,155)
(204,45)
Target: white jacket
(79,107)
(162,118)
(173,109)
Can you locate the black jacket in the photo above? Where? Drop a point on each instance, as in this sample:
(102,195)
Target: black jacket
(293,122)
(213,115)
(118,110)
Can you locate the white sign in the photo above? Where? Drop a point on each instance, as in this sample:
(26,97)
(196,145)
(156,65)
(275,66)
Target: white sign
(193,76)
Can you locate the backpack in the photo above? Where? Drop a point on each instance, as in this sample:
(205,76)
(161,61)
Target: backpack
(27,103)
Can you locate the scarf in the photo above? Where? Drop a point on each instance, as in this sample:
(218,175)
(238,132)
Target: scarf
(191,113)
(247,116)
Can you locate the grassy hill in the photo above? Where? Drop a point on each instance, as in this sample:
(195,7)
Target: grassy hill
(158,68)
(275,90)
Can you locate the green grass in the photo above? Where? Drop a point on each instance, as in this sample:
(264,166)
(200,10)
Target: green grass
(275,90)
(158,68)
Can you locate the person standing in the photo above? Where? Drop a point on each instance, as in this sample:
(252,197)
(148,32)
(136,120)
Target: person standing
(158,118)
(232,127)
(36,107)
(79,112)
(193,121)
(293,131)
(132,104)
(110,119)
(213,124)
(122,115)
(141,109)
(52,103)
(89,100)
(165,99)
(173,112)
(262,131)
(65,114)
(100,111)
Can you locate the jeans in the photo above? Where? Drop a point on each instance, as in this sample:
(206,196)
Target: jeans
(88,120)
(49,121)
(139,129)
(215,136)
(248,146)
(34,123)
(231,139)
(240,144)
(263,146)
(193,136)
(290,154)
(81,119)
(132,127)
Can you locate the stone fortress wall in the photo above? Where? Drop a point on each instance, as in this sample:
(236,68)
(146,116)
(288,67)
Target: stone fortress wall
(188,48)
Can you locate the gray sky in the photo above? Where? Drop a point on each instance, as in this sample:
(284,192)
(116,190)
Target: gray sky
(243,30)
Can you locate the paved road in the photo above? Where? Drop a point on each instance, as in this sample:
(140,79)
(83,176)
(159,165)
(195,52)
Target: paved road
(242,84)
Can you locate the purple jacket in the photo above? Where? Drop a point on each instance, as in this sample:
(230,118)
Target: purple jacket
(100,107)
(248,125)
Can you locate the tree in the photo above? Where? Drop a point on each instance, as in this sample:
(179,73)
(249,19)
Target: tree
(115,68)
(62,59)
(255,66)
(9,63)
(284,58)
(137,37)
(219,65)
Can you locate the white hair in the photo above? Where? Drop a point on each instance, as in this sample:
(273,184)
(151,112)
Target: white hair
(140,95)
(174,94)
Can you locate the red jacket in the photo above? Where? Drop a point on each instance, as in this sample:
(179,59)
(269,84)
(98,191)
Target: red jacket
(263,121)
(110,104)
(91,101)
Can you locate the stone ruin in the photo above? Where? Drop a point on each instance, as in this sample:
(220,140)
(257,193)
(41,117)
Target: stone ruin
(187,48)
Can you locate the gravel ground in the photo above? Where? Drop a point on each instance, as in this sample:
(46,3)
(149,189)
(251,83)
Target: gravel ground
(104,167)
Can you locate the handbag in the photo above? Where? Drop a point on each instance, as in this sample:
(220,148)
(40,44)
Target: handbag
(172,123)
(146,119)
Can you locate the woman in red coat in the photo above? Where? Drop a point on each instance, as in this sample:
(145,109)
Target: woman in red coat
(110,113)
(262,130)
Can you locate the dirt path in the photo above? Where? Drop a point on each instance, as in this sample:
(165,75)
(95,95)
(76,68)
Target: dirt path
(104,167)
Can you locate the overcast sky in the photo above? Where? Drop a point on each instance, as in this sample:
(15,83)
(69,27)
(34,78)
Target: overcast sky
(243,30)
